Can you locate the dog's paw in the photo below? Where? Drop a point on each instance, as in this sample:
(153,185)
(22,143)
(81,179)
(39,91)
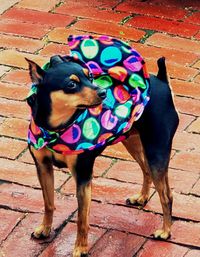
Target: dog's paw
(161,234)
(80,252)
(41,232)
(137,200)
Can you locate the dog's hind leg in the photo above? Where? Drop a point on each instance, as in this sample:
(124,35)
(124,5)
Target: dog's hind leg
(44,167)
(134,147)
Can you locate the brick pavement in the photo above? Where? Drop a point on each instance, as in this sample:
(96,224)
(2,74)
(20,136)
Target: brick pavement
(38,29)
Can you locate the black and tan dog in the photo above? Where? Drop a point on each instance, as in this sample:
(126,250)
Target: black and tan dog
(149,141)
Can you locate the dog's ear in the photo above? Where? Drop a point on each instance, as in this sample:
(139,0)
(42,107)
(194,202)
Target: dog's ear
(36,73)
(56,59)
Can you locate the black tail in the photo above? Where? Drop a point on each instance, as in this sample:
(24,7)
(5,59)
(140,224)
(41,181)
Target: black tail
(162,71)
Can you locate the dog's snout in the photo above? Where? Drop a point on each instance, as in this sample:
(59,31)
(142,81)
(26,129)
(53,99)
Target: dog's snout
(102,93)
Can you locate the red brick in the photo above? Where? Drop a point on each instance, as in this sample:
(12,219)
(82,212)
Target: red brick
(186,142)
(13,127)
(172,27)
(197,65)
(10,108)
(20,43)
(195,126)
(197,36)
(196,189)
(26,157)
(59,35)
(38,4)
(184,206)
(147,8)
(101,165)
(194,18)
(171,55)
(54,49)
(28,247)
(189,161)
(108,29)
(44,18)
(197,79)
(5,5)
(106,190)
(117,151)
(192,253)
(26,174)
(11,148)
(108,4)
(186,88)
(185,121)
(165,249)
(117,244)
(27,199)
(9,220)
(187,105)
(23,29)
(63,245)
(3,70)
(181,233)
(174,70)
(124,219)
(17,76)
(184,3)
(93,13)
(178,178)
(17,59)
(12,91)
(182,44)
(126,171)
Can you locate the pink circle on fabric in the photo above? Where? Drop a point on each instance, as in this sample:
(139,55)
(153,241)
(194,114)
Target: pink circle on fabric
(132,63)
(108,121)
(121,94)
(72,135)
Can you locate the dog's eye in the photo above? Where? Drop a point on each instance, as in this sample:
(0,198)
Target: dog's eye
(72,84)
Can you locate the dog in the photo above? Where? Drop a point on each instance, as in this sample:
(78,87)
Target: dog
(68,89)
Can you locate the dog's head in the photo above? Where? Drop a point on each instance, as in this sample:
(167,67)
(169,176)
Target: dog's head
(61,90)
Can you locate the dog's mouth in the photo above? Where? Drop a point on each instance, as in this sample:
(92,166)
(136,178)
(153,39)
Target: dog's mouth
(84,106)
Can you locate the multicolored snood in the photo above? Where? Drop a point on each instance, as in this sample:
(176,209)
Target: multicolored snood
(120,70)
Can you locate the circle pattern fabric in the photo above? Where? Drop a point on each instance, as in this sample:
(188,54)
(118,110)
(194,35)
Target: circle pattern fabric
(120,70)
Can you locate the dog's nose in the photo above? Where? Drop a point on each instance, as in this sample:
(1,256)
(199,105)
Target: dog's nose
(102,93)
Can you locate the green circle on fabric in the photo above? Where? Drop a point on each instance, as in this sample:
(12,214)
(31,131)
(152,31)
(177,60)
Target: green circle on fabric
(110,56)
(89,48)
(104,81)
(136,81)
(91,128)
(123,110)
(40,142)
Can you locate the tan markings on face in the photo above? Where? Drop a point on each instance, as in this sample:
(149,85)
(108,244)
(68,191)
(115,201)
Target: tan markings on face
(75,78)
(63,106)
(86,72)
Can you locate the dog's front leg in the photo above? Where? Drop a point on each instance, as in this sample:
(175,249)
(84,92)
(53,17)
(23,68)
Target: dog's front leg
(84,199)
(44,167)
(81,167)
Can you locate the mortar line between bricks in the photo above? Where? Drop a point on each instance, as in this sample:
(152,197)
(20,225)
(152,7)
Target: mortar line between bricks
(98,240)
(144,236)
(141,247)
(175,218)
(9,8)
(11,137)
(58,231)
(16,225)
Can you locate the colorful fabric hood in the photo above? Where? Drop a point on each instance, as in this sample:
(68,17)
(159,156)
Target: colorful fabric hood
(120,70)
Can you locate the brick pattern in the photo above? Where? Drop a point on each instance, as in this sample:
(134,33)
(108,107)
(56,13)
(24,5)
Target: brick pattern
(38,29)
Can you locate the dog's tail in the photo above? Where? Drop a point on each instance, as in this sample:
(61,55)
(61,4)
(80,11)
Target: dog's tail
(162,70)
